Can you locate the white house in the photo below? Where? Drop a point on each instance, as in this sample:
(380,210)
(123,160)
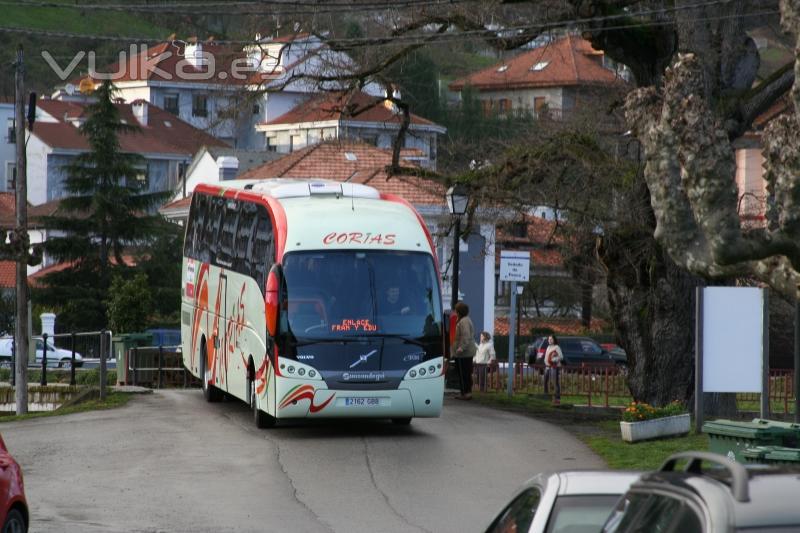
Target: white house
(166,143)
(350,116)
(559,76)
(229,91)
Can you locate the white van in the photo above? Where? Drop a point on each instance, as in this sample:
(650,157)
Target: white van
(56,357)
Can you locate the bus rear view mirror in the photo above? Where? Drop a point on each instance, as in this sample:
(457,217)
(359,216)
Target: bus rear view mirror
(272,298)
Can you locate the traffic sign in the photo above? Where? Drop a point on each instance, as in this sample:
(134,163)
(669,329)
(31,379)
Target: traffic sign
(514,266)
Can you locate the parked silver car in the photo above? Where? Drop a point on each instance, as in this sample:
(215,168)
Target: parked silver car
(569,501)
(56,357)
(710,494)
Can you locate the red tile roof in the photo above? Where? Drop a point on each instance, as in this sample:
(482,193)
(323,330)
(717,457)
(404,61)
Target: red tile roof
(164,134)
(542,241)
(183,203)
(568,61)
(357,107)
(8,275)
(366,164)
(559,325)
(36,279)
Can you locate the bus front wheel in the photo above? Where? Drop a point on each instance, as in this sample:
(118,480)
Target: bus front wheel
(262,419)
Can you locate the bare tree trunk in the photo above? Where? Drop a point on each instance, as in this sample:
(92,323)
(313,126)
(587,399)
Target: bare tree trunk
(652,307)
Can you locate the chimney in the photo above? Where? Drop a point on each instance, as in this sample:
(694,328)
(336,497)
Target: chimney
(140,111)
(194,55)
(228,167)
(389,104)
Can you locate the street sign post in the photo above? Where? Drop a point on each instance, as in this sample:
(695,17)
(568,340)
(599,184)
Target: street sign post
(514,267)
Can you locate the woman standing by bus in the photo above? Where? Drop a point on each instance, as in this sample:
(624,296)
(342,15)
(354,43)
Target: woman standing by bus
(464,349)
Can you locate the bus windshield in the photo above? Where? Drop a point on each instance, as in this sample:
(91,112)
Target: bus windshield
(344,294)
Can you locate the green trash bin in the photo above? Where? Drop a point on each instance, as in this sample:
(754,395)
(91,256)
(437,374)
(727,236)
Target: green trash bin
(772,455)
(123,343)
(731,438)
(782,456)
(791,437)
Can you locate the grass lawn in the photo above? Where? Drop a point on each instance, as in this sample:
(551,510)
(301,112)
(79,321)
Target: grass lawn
(76,20)
(113,400)
(600,430)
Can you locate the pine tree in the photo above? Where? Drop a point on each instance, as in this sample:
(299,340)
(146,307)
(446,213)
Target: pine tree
(105,215)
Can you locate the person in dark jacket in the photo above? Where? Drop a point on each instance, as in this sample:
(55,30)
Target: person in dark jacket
(464,349)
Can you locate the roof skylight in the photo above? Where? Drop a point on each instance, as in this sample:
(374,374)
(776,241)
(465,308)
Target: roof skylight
(540,66)
(502,68)
(350,156)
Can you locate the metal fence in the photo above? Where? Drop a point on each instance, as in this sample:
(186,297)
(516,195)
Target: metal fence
(155,366)
(600,384)
(597,383)
(62,350)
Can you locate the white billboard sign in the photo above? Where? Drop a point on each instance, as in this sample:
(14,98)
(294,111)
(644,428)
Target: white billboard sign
(514,266)
(733,339)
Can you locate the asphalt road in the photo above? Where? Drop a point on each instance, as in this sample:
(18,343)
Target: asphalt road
(169,461)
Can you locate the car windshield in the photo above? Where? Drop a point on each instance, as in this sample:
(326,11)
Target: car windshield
(580,513)
(341,294)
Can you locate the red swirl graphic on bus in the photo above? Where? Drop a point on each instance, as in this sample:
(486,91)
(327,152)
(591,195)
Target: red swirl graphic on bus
(304,392)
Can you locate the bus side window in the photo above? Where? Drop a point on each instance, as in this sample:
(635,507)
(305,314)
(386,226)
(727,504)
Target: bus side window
(227,233)
(263,252)
(194,246)
(244,239)
(216,212)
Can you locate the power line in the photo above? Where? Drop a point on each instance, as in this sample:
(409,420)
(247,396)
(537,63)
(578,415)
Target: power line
(429,38)
(247,8)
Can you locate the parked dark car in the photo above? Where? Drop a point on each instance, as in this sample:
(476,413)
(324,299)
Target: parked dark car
(727,497)
(578,350)
(13,507)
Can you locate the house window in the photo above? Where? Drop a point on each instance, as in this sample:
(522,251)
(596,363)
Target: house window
(11,175)
(539,104)
(486,107)
(12,130)
(199,105)
(505,105)
(142,176)
(272,144)
(172,104)
(256,109)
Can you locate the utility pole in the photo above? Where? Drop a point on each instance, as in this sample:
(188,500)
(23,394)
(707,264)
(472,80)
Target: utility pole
(20,238)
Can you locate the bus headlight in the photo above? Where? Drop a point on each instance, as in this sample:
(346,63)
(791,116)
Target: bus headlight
(425,370)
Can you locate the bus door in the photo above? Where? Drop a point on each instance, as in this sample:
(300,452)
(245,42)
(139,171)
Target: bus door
(221,333)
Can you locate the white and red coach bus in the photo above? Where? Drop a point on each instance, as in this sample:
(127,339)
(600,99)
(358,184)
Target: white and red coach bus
(312,299)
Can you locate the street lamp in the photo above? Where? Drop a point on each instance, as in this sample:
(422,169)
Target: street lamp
(457,201)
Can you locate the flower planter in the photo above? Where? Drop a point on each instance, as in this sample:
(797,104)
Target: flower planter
(655,428)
